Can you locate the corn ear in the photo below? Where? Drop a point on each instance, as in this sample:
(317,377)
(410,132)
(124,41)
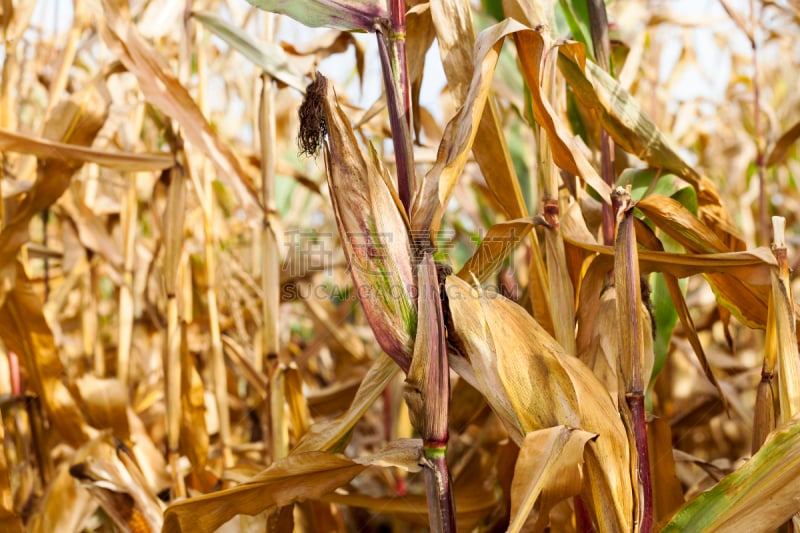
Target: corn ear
(372,229)
(428,395)
(428,381)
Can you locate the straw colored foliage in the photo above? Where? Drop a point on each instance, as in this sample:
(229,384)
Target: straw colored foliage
(535,275)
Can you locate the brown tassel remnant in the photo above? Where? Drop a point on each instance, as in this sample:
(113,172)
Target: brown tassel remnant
(313,127)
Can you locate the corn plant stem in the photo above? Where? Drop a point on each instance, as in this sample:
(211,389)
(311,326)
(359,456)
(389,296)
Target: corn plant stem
(45,214)
(629,301)
(90,320)
(270,254)
(39,440)
(392,51)
(129,215)
(442,517)
(270,258)
(607,171)
(635,401)
(598,23)
(279,430)
(763,224)
(5,482)
(172,376)
(206,193)
(270,270)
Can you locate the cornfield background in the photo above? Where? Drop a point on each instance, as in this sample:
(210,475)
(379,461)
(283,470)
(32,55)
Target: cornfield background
(205,326)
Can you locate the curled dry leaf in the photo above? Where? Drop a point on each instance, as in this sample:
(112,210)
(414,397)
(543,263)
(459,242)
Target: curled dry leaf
(780,150)
(331,435)
(548,459)
(495,247)
(111,475)
(65,505)
(105,402)
(455,33)
(459,136)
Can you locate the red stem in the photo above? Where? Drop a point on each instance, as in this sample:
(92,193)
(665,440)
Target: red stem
(392,51)
(397,14)
(636,405)
(583,520)
(607,171)
(439,488)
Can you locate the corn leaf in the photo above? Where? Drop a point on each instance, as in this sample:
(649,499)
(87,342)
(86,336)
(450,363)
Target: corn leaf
(12,141)
(759,496)
(546,457)
(331,435)
(24,330)
(268,56)
(339,14)
(541,386)
(456,34)
(304,476)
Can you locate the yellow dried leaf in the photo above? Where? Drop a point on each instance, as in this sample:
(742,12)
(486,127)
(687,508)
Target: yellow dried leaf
(193,432)
(301,476)
(11,141)
(330,434)
(114,479)
(456,35)
(500,240)
(531,383)
(24,330)
(105,402)
(65,504)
